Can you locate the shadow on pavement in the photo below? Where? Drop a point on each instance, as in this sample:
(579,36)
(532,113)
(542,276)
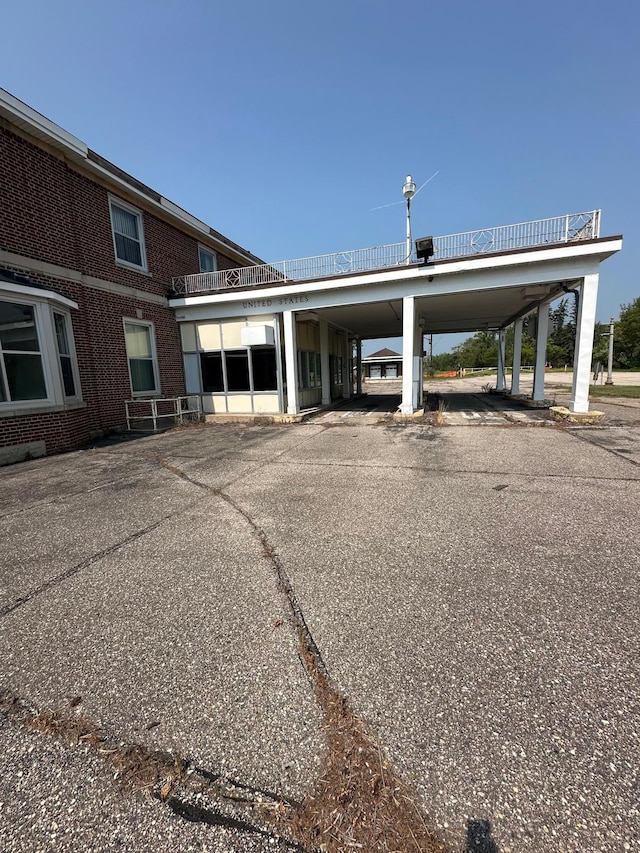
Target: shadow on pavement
(479,838)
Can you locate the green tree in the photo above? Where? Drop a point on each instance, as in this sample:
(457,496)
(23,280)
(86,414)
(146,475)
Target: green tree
(627,336)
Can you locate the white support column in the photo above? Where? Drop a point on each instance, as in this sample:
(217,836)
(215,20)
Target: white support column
(541,352)
(501,384)
(324,363)
(517,357)
(584,344)
(358,366)
(291,361)
(409,385)
(347,368)
(418,366)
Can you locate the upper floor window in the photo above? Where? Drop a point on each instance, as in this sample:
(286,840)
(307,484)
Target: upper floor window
(208,260)
(128,235)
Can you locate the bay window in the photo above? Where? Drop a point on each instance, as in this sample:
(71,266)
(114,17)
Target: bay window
(37,358)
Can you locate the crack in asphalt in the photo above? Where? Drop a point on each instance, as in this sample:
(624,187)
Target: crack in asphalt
(94,558)
(585,437)
(358,799)
(191,792)
(451,471)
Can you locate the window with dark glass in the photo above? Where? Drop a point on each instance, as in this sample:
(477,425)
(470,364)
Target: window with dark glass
(208,260)
(211,369)
(237,364)
(263,366)
(64,355)
(128,238)
(21,371)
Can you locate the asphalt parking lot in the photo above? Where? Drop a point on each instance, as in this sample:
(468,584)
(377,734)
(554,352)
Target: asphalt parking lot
(471,593)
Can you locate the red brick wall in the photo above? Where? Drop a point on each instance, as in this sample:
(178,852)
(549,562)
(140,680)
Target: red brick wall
(52,212)
(59,430)
(102,362)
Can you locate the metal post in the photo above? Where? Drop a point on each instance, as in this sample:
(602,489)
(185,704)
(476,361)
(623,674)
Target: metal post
(154,414)
(408,261)
(610,363)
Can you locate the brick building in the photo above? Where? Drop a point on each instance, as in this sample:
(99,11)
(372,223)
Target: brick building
(87,254)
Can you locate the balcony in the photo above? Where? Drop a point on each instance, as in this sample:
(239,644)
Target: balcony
(571,228)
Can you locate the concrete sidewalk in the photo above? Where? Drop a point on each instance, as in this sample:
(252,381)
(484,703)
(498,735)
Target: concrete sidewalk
(472,593)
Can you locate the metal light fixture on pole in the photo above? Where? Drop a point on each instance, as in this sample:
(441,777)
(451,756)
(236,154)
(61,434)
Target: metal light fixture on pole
(408,191)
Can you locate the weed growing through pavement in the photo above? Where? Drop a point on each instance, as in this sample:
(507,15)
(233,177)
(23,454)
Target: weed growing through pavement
(357,802)
(438,417)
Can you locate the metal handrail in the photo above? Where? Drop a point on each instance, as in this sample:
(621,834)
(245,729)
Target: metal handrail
(572,227)
(155,410)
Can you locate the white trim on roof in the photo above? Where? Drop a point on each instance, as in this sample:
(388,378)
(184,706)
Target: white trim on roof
(37,125)
(492,271)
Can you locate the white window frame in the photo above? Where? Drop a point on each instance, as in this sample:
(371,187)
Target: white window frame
(129,208)
(44,303)
(68,325)
(134,321)
(208,251)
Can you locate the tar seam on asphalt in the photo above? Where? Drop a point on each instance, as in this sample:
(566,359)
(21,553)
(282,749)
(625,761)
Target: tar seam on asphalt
(611,450)
(449,471)
(73,570)
(358,800)
(164,776)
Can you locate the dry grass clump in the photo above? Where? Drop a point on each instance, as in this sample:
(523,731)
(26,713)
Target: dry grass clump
(136,767)
(358,802)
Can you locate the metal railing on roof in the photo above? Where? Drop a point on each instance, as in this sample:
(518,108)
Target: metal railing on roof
(572,227)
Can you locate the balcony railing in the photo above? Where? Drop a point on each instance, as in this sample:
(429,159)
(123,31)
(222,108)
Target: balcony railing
(570,228)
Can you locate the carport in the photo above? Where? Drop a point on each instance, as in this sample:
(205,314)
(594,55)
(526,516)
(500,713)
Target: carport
(315,312)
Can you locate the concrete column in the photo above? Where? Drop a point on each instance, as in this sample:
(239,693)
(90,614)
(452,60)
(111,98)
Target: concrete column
(501,384)
(584,344)
(324,362)
(517,356)
(419,365)
(347,368)
(541,352)
(409,355)
(358,366)
(291,361)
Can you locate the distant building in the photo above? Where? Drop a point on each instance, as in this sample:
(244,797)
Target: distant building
(383,364)
(87,254)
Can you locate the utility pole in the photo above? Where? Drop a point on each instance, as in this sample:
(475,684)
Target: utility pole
(610,364)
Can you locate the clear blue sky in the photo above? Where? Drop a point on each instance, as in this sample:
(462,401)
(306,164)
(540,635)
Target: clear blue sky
(283,123)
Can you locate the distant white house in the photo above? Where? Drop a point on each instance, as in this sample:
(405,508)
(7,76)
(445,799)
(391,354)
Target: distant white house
(383,364)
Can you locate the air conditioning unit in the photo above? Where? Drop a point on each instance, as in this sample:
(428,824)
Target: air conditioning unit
(257,336)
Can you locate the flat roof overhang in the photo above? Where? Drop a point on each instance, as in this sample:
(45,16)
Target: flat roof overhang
(458,295)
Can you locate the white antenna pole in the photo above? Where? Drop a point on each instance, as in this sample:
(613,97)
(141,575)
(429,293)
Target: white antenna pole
(408,191)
